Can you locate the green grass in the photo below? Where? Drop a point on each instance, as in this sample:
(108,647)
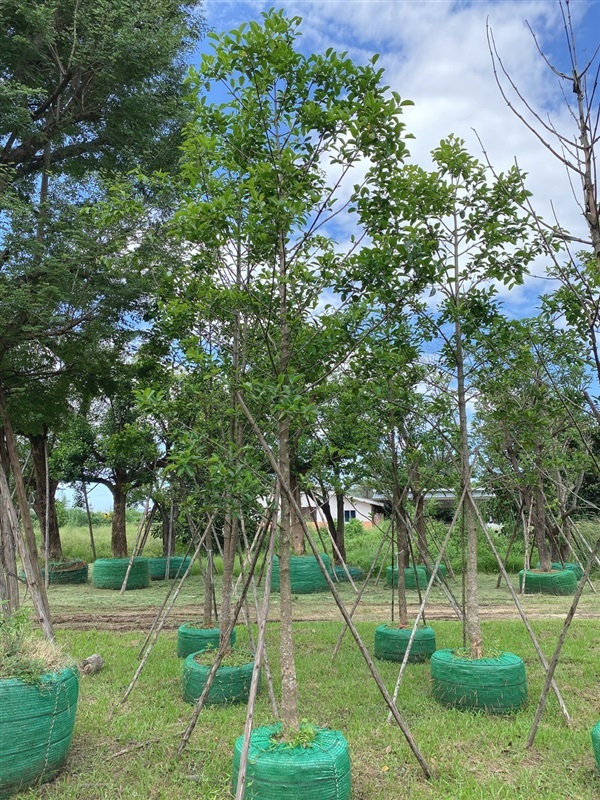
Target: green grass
(133,755)
(475,756)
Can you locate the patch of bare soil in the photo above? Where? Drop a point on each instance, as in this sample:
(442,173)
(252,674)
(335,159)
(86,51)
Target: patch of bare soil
(141,618)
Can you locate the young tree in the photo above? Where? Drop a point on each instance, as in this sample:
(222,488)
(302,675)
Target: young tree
(530,391)
(269,163)
(473,235)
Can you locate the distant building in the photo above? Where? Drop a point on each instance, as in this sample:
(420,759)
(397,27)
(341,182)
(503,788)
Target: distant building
(368,511)
(447,498)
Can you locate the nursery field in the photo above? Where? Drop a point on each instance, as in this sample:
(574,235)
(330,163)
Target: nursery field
(133,754)
(475,756)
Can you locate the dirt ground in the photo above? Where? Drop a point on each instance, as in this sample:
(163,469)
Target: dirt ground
(140,618)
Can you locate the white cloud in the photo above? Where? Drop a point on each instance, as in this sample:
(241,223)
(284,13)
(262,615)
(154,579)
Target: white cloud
(435,53)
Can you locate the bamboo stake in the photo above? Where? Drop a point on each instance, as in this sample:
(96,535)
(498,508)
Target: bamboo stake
(508,549)
(169,541)
(170,590)
(263,654)
(336,548)
(139,538)
(571,550)
(29,554)
(389,545)
(220,653)
(422,607)
(523,615)
(427,771)
(559,644)
(89,520)
(158,627)
(262,628)
(358,598)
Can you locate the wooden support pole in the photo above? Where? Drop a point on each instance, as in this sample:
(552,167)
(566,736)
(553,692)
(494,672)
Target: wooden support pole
(358,598)
(157,627)
(427,771)
(140,540)
(89,520)
(523,615)
(260,649)
(559,644)
(423,602)
(29,553)
(221,652)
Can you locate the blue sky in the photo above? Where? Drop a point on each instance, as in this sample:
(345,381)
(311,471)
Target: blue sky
(435,53)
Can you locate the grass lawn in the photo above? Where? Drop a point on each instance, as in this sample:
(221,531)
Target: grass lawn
(475,756)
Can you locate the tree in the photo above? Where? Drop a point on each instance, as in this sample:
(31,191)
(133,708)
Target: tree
(259,163)
(530,391)
(471,231)
(112,444)
(87,93)
(576,148)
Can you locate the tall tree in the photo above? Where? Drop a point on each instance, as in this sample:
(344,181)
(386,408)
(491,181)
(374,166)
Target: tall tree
(474,236)
(269,163)
(87,93)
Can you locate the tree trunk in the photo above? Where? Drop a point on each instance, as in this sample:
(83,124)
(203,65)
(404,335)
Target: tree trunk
(289,684)
(420,527)
(539,528)
(473,622)
(119,522)
(230,539)
(45,507)
(326,509)
(402,545)
(207,615)
(168,517)
(340,527)
(297,534)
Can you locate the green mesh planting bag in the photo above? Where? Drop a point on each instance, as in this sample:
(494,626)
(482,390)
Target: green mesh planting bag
(410,580)
(557,582)
(305,574)
(391,643)
(496,685)
(36,727)
(279,772)
(177,567)
(596,743)
(109,573)
(230,684)
(193,639)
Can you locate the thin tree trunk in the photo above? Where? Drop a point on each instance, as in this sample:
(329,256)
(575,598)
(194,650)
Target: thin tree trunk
(340,528)
(539,526)
(9,533)
(45,492)
(420,527)
(207,614)
(289,684)
(297,533)
(119,521)
(473,623)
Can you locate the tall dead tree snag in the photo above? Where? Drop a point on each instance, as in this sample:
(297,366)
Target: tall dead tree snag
(577,150)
